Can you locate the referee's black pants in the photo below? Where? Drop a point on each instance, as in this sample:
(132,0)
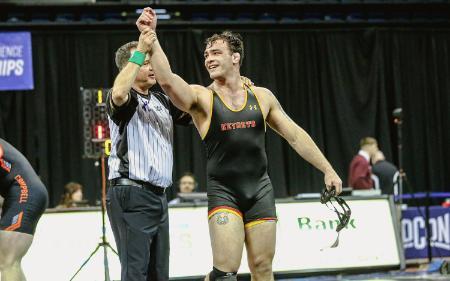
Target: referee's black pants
(140,223)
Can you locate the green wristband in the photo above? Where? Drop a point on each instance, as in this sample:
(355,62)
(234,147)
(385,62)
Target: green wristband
(137,58)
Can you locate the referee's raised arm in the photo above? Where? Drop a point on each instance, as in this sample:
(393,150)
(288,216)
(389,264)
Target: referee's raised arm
(127,75)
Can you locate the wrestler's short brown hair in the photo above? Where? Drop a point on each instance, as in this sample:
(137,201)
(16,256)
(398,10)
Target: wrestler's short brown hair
(123,54)
(367,141)
(234,41)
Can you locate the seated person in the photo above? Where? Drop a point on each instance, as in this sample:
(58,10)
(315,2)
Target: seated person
(72,197)
(385,173)
(359,176)
(186,184)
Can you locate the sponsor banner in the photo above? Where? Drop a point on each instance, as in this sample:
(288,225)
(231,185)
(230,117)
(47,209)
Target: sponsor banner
(414,232)
(16,61)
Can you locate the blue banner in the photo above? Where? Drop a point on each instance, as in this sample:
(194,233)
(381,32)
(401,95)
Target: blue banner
(16,61)
(414,232)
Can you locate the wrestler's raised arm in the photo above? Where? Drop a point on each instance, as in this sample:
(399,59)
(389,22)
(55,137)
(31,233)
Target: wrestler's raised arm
(183,95)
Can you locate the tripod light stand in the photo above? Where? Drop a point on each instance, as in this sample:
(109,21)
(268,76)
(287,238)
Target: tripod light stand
(104,244)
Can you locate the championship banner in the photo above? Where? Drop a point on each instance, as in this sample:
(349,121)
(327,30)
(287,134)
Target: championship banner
(414,232)
(16,61)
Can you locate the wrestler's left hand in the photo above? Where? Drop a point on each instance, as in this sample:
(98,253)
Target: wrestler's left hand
(332,179)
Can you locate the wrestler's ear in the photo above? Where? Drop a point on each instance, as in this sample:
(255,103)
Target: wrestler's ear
(236,57)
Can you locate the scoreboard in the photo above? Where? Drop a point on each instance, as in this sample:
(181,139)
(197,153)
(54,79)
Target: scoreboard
(96,139)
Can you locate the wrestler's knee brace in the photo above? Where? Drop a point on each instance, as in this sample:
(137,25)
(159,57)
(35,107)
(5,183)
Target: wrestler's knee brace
(219,275)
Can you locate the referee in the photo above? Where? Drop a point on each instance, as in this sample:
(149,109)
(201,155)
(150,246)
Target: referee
(140,164)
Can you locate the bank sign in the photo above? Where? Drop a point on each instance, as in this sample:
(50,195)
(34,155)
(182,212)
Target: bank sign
(305,232)
(414,232)
(16,63)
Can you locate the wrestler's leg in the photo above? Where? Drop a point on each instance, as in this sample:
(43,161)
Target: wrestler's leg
(260,234)
(13,246)
(226,230)
(22,209)
(260,242)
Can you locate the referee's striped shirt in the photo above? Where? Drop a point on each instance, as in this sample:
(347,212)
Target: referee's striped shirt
(141,133)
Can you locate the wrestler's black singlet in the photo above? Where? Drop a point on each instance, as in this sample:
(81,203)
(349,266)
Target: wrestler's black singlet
(24,193)
(237,160)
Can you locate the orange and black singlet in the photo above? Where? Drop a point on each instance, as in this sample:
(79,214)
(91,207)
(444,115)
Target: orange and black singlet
(237,160)
(25,195)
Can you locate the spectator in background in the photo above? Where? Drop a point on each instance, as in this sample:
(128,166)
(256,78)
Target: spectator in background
(359,176)
(186,184)
(385,173)
(72,197)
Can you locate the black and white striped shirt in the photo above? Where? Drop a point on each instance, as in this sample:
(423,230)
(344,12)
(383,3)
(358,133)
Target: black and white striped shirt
(141,133)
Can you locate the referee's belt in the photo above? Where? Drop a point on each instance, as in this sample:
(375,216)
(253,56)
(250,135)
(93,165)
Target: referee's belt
(125,181)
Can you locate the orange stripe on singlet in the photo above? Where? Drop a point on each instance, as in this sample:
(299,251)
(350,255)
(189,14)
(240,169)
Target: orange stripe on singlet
(5,166)
(17,224)
(259,221)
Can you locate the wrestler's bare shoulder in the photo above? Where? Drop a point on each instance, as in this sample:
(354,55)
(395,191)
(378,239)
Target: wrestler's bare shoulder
(199,89)
(261,91)
(265,97)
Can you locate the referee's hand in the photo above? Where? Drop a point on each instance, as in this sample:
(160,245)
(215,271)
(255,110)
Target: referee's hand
(146,40)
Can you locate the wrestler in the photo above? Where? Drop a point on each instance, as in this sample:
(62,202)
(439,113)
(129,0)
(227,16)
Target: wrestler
(231,119)
(25,201)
